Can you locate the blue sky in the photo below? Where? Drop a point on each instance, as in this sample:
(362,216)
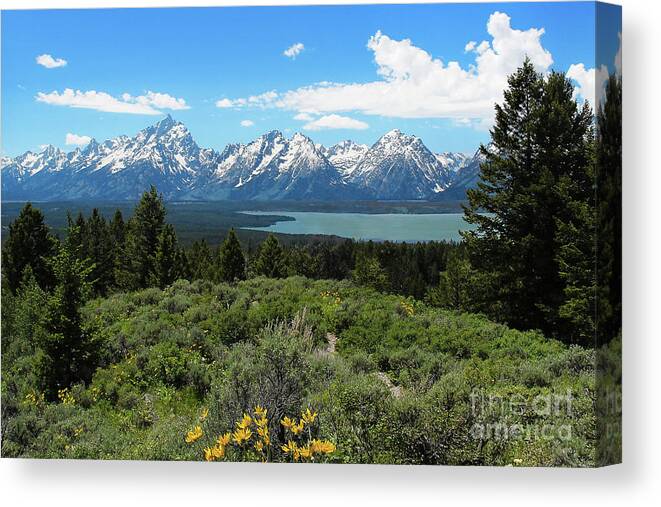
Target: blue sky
(388,65)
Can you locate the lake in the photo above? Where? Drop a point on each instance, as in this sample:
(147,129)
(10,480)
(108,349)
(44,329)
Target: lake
(366,226)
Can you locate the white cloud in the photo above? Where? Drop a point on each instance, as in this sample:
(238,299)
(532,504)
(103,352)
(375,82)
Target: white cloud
(591,81)
(151,103)
(303,117)
(263,100)
(157,100)
(586,80)
(294,50)
(470,46)
(335,121)
(414,84)
(247,123)
(224,103)
(49,62)
(77,140)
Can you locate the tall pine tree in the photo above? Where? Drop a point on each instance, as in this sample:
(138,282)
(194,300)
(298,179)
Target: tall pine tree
(69,352)
(270,260)
(142,240)
(540,138)
(29,243)
(231,261)
(166,268)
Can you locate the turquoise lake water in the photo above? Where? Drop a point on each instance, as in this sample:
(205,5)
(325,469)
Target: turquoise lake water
(378,227)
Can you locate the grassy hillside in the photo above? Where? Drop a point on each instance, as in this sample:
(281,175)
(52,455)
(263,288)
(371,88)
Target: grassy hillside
(392,380)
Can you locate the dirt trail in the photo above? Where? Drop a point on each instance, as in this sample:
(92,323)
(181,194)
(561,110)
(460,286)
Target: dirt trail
(396,391)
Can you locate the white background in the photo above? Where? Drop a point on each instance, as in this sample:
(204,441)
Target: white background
(637,482)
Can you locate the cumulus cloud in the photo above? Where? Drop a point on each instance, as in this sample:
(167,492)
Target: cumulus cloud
(303,117)
(591,83)
(294,50)
(247,123)
(150,104)
(49,62)
(224,103)
(335,121)
(263,100)
(413,84)
(77,140)
(588,82)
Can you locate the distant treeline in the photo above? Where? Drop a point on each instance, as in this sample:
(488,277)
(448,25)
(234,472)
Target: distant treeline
(144,251)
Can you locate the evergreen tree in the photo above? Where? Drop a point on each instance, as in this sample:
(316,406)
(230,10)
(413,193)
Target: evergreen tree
(29,243)
(77,236)
(117,228)
(369,273)
(200,261)
(270,259)
(166,268)
(609,212)
(22,316)
(99,250)
(540,137)
(231,261)
(68,350)
(142,240)
(455,287)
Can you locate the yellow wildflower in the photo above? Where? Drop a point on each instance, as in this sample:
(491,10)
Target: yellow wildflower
(223,440)
(290,447)
(297,428)
(305,452)
(218,451)
(241,435)
(208,454)
(287,422)
(245,422)
(260,412)
(194,435)
(262,423)
(259,446)
(309,416)
(322,446)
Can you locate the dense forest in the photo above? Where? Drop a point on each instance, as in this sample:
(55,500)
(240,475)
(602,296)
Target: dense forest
(118,341)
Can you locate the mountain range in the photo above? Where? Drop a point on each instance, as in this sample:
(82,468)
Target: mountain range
(272,167)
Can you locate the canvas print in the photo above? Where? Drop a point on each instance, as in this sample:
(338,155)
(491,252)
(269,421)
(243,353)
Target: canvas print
(383,234)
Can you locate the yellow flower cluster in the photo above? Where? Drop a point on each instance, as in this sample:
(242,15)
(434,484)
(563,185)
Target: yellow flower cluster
(296,428)
(33,398)
(65,396)
(253,439)
(308,451)
(194,435)
(407,307)
(218,450)
(334,296)
(243,435)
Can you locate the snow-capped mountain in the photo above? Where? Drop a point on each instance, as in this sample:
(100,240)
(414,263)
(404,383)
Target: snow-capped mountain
(272,167)
(465,177)
(452,161)
(345,155)
(399,166)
